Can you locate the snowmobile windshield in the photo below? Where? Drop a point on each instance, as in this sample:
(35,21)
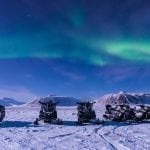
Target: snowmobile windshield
(85,107)
(48,107)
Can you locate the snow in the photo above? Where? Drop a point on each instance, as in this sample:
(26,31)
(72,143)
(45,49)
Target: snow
(125,98)
(18,132)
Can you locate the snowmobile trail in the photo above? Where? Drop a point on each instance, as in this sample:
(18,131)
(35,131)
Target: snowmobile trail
(114,144)
(97,131)
(18,133)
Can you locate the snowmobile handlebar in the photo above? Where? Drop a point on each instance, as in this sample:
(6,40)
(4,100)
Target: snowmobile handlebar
(2,106)
(53,103)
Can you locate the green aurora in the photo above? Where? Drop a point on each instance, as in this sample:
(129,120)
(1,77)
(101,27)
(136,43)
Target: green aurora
(75,46)
(39,46)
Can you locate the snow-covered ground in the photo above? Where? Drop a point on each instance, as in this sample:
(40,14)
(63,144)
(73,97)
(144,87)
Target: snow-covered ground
(18,133)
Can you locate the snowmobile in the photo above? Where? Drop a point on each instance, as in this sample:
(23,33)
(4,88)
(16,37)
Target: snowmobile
(113,113)
(119,113)
(147,109)
(2,113)
(124,113)
(48,112)
(86,114)
(143,113)
(108,115)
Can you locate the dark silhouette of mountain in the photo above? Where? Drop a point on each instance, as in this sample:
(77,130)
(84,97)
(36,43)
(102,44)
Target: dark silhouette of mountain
(63,101)
(9,102)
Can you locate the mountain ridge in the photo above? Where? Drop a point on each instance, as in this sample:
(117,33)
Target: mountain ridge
(125,98)
(63,101)
(5,101)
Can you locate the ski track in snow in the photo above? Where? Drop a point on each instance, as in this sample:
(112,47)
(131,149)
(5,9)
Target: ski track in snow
(18,133)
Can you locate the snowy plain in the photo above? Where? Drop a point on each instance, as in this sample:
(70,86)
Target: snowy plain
(19,133)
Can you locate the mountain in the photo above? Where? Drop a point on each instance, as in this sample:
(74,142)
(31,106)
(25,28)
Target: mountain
(9,102)
(125,98)
(63,101)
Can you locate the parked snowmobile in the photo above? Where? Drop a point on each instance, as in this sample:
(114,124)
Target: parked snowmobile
(113,113)
(147,109)
(129,113)
(86,113)
(143,113)
(48,112)
(2,113)
(124,113)
(119,113)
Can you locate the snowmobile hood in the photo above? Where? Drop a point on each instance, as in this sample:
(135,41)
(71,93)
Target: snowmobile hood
(86,102)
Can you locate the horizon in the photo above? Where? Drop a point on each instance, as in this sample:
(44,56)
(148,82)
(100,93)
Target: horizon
(83,98)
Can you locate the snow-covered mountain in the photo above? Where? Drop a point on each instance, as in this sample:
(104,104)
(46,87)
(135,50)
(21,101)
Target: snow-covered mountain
(63,101)
(125,98)
(9,102)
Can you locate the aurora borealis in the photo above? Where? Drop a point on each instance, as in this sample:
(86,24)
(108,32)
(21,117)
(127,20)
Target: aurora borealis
(74,47)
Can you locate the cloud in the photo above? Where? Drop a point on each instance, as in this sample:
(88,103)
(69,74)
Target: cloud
(68,73)
(18,93)
(72,75)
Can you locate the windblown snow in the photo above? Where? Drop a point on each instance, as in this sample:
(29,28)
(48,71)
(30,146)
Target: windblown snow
(18,132)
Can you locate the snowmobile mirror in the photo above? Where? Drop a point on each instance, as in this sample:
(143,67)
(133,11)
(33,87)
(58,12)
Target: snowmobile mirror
(41,103)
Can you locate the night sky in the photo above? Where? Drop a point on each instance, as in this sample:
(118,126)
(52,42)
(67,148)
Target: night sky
(80,48)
